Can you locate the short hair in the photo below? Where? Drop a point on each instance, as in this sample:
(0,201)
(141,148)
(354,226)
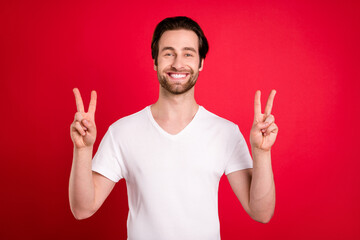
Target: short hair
(175,23)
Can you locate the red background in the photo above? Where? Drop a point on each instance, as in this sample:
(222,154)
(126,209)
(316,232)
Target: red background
(307,50)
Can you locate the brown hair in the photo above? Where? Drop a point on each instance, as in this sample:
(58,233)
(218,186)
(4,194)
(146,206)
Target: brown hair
(175,23)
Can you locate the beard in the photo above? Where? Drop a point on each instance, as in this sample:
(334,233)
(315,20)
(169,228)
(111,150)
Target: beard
(177,88)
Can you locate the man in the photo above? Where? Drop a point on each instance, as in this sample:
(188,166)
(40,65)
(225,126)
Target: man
(173,153)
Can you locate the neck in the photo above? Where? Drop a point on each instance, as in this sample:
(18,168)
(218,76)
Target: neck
(170,106)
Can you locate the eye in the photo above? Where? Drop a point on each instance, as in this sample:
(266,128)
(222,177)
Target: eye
(188,55)
(168,54)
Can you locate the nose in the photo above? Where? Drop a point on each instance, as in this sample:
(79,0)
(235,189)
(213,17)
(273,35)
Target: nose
(178,63)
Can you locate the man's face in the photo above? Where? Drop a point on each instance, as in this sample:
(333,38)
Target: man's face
(178,60)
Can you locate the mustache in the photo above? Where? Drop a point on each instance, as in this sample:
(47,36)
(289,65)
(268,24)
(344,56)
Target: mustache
(174,70)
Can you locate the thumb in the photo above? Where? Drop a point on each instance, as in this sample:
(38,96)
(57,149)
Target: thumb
(261,125)
(88,124)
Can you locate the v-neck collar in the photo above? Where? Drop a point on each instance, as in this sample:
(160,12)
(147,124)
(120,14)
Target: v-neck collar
(165,133)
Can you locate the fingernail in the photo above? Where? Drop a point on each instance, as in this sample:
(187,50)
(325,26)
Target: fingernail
(85,121)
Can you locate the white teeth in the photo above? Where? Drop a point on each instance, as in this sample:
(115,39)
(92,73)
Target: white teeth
(178,75)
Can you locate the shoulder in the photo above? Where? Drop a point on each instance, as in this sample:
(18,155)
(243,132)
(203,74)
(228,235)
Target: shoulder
(218,128)
(130,122)
(214,120)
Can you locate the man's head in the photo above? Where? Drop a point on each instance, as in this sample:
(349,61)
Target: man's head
(178,48)
(176,23)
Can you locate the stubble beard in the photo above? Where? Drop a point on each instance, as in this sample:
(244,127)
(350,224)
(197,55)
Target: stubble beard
(178,88)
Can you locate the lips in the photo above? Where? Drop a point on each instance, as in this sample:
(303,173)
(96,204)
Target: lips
(177,75)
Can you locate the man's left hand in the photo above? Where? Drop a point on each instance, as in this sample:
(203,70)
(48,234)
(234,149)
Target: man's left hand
(264,130)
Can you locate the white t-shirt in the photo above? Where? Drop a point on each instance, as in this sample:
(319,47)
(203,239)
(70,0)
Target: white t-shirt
(172,180)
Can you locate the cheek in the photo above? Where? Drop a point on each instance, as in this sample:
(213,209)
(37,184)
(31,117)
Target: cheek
(163,63)
(193,63)
(195,66)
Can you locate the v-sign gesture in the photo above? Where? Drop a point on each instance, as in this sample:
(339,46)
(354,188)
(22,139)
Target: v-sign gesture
(83,129)
(264,130)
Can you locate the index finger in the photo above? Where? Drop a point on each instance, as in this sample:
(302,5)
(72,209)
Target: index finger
(270,102)
(257,103)
(78,99)
(92,105)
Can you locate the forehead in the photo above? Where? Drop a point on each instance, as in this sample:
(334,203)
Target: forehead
(179,39)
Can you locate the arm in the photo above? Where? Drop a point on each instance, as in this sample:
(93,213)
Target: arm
(255,188)
(87,189)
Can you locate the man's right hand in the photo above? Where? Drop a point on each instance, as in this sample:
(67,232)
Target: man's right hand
(83,129)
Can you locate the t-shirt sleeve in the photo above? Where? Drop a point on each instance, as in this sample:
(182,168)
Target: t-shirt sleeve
(240,157)
(107,160)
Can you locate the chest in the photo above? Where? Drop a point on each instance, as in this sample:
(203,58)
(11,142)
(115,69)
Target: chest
(172,127)
(191,159)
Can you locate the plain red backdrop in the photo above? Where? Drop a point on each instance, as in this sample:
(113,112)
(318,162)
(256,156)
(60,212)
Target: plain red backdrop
(307,50)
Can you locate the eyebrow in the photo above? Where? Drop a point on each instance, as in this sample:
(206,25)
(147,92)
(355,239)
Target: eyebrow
(185,48)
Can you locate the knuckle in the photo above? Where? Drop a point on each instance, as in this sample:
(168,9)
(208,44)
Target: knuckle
(78,125)
(78,116)
(271,118)
(86,120)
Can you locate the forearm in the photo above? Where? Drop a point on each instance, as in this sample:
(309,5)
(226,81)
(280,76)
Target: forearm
(81,184)
(262,189)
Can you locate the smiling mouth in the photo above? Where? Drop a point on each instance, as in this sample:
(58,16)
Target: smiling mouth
(178,75)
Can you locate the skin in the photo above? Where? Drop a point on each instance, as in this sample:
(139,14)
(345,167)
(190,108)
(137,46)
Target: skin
(255,188)
(173,111)
(87,189)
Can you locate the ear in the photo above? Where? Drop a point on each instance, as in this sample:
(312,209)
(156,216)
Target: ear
(155,67)
(202,65)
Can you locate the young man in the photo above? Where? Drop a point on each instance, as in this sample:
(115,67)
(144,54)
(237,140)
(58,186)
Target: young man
(173,153)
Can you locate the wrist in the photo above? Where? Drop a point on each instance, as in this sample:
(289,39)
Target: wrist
(259,151)
(261,157)
(83,149)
